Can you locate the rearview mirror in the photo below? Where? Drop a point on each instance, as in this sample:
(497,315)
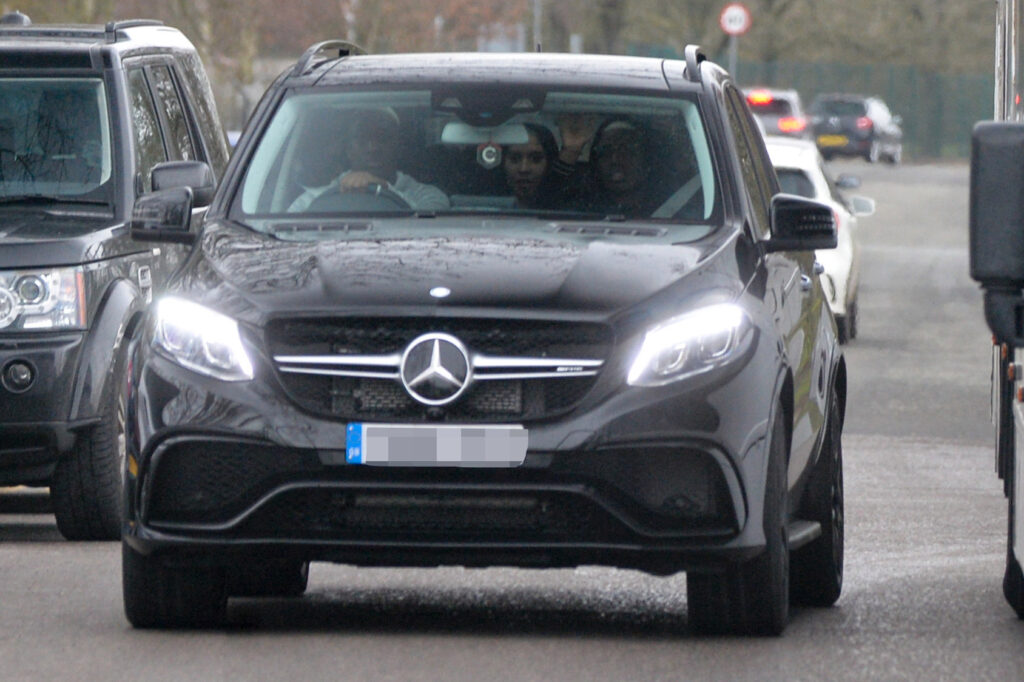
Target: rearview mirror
(800,224)
(997,224)
(862,206)
(163,216)
(196,175)
(458,132)
(847,181)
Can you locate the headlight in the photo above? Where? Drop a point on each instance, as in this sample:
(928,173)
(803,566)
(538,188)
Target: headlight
(201,339)
(689,344)
(42,299)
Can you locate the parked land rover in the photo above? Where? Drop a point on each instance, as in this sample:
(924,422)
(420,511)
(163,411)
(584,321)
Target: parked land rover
(91,118)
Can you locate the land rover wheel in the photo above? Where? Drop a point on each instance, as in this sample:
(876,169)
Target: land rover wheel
(88,485)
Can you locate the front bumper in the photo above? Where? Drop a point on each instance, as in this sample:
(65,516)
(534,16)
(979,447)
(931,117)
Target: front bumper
(661,479)
(35,428)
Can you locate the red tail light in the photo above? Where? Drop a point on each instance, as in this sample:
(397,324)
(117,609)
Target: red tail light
(835,217)
(792,124)
(760,97)
(864,123)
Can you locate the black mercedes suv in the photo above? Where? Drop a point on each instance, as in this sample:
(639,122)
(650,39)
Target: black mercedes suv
(530,310)
(88,114)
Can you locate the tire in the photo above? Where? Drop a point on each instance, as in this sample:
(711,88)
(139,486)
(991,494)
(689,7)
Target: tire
(816,569)
(157,595)
(843,328)
(1013,578)
(896,157)
(873,153)
(851,320)
(269,579)
(87,490)
(751,598)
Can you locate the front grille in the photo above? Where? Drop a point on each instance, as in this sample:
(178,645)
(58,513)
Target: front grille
(529,338)
(345,392)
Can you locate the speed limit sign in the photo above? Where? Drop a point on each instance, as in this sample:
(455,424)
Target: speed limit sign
(735,19)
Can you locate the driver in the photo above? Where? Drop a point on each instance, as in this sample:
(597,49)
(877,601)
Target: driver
(372,151)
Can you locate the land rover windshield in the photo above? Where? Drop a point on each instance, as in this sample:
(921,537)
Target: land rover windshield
(54,140)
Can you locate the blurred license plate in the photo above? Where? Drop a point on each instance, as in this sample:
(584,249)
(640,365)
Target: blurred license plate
(415,445)
(832,140)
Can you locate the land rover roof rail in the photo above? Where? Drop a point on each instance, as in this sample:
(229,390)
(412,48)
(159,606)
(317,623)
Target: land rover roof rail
(18,24)
(694,57)
(343,47)
(113,27)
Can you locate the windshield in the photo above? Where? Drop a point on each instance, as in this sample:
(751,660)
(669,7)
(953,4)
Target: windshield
(557,154)
(54,139)
(793,181)
(839,107)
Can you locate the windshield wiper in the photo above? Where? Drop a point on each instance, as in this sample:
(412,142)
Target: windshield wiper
(38,199)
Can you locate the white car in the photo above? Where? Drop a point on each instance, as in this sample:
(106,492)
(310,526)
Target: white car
(801,171)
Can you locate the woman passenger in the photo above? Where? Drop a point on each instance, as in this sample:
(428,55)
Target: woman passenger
(527,167)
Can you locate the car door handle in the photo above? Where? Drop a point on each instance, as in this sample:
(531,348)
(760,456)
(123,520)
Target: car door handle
(805,283)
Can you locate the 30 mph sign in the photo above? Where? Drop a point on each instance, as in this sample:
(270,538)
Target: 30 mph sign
(735,19)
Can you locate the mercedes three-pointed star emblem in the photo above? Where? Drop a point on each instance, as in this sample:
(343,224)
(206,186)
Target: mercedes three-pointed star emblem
(435,369)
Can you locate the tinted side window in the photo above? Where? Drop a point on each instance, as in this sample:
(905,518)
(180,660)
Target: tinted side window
(149,146)
(199,94)
(178,136)
(751,165)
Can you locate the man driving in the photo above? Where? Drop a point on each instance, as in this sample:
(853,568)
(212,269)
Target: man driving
(372,147)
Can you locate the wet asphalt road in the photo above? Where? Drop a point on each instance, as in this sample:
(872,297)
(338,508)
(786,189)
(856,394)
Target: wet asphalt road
(925,541)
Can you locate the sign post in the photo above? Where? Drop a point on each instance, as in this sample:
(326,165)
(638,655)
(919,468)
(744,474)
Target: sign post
(735,21)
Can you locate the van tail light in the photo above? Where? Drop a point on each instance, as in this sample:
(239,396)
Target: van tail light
(835,217)
(792,124)
(864,123)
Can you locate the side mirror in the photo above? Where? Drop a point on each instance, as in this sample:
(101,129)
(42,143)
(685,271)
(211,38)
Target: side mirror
(847,181)
(862,206)
(997,224)
(163,216)
(800,224)
(196,175)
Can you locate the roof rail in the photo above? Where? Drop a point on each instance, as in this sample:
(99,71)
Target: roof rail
(693,58)
(112,27)
(343,47)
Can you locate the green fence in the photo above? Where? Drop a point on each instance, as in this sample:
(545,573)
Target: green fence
(938,110)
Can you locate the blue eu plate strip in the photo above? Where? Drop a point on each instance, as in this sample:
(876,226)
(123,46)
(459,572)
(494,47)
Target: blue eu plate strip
(354,444)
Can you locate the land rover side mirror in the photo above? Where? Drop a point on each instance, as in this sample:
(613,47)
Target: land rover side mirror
(997,224)
(163,216)
(800,224)
(196,175)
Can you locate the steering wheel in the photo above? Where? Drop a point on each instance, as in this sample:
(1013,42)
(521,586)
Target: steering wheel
(370,199)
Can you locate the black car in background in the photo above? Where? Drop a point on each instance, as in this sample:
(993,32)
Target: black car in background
(86,114)
(779,110)
(543,310)
(854,125)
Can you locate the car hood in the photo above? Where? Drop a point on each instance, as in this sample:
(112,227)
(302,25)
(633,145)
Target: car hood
(43,238)
(256,276)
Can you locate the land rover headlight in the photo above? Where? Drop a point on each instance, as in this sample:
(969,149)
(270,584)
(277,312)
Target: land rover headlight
(201,339)
(32,300)
(689,344)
